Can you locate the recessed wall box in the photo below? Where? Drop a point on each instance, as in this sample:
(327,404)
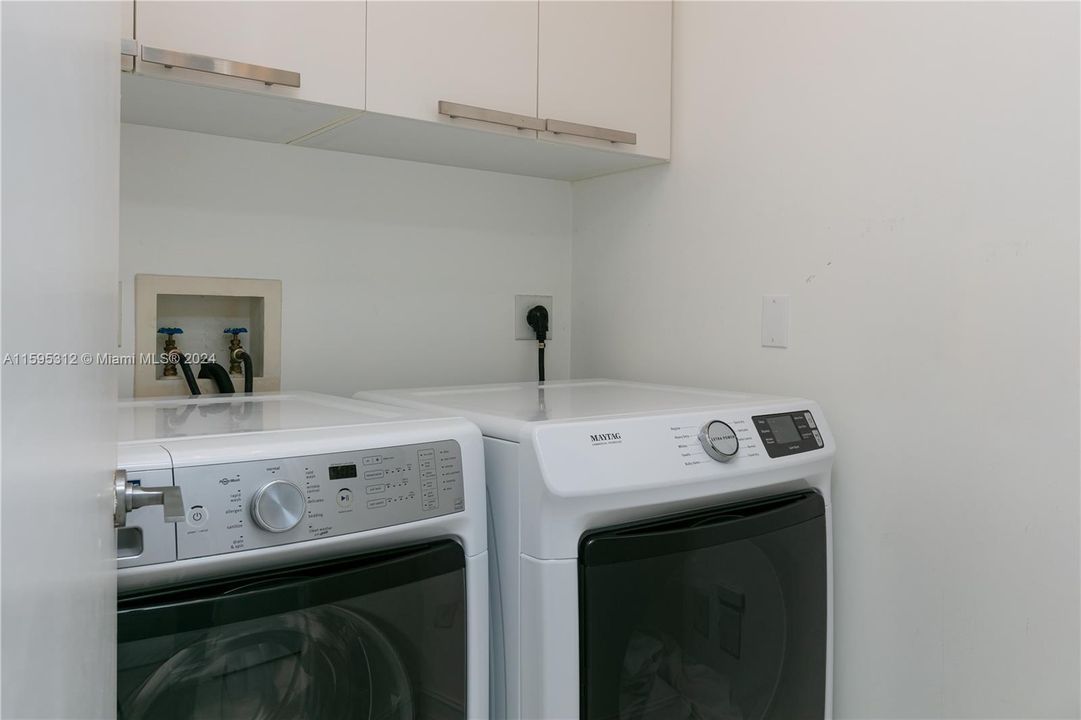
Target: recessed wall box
(203,307)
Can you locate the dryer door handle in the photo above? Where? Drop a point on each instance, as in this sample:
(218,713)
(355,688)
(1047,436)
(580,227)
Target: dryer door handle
(699,529)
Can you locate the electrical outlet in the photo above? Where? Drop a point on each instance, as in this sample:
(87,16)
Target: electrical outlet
(522,303)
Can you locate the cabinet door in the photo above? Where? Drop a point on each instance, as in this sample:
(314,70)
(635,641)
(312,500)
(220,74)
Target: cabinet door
(127,32)
(322,41)
(482,54)
(608,65)
(127,19)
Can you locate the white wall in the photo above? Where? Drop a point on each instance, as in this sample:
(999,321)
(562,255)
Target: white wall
(393,273)
(61,127)
(908,174)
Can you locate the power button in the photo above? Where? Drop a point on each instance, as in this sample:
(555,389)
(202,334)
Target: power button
(197,515)
(345,498)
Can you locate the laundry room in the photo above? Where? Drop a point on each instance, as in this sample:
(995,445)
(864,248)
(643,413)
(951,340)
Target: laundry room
(541,359)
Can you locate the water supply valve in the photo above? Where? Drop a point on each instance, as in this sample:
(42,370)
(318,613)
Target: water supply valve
(235,348)
(170,349)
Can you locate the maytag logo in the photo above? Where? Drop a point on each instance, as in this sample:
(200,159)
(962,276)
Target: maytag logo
(606,438)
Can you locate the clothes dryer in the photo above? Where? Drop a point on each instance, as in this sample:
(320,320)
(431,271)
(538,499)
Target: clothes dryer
(657,553)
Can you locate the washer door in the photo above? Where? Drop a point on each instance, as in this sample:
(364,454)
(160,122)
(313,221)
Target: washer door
(344,640)
(718,614)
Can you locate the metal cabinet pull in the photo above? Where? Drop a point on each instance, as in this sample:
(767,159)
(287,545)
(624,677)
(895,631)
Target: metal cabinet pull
(218,66)
(128,496)
(471,112)
(129,50)
(590,131)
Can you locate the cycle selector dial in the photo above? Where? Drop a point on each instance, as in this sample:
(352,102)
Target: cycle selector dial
(278,506)
(719,440)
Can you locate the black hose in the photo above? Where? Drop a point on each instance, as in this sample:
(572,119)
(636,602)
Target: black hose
(218,374)
(193,387)
(540,361)
(249,373)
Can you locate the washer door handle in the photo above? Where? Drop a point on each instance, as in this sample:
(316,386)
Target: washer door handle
(128,496)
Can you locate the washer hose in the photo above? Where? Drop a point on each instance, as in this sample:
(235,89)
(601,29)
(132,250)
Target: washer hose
(193,387)
(218,374)
(249,372)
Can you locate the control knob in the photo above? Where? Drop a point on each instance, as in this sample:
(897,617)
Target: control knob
(719,440)
(278,506)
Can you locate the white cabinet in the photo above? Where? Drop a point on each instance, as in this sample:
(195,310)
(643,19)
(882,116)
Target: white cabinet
(608,65)
(482,54)
(323,42)
(127,32)
(127,19)
(374,76)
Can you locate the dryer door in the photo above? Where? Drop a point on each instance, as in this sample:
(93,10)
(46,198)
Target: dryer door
(379,636)
(713,614)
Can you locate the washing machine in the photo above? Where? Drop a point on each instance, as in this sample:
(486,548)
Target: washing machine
(656,553)
(299,556)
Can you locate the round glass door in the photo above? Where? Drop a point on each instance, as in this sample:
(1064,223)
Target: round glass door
(326,662)
(718,614)
(375,637)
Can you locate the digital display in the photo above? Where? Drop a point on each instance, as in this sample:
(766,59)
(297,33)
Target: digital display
(784,430)
(343,472)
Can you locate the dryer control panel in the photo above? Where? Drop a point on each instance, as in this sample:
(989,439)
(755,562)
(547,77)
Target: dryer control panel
(261,503)
(788,433)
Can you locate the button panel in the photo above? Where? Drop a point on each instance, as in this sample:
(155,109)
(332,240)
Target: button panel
(788,433)
(396,485)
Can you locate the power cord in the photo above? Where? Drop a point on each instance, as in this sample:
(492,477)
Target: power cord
(537,318)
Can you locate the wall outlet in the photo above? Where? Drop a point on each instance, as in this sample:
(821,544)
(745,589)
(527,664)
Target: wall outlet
(775,321)
(522,304)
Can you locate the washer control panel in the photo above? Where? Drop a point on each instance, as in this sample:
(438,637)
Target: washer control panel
(788,433)
(261,503)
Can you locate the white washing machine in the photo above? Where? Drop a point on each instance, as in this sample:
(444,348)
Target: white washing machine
(327,559)
(659,553)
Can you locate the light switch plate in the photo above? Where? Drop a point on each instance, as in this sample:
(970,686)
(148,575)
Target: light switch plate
(775,321)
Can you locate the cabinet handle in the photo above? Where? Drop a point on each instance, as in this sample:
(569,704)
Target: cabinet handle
(561,127)
(471,112)
(129,50)
(217,66)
